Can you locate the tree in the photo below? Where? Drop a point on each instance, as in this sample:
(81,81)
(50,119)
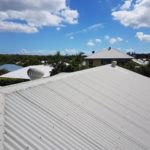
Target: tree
(3,71)
(143,70)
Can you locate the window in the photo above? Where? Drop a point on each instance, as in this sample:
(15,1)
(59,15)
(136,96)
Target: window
(90,63)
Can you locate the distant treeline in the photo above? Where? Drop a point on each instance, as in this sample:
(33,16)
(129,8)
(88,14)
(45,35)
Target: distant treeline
(22,60)
(26,60)
(143,70)
(75,62)
(9,81)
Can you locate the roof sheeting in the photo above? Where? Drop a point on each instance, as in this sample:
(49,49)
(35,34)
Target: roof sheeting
(101,108)
(2,104)
(141,62)
(10,67)
(22,73)
(109,54)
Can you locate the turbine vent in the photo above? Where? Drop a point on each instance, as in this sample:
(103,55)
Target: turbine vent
(35,73)
(114,63)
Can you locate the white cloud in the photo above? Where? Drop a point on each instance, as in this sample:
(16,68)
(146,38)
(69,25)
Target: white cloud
(90,43)
(74,51)
(107,37)
(89,28)
(52,5)
(143,37)
(58,28)
(70,16)
(94,26)
(94,42)
(119,39)
(71,37)
(31,15)
(67,51)
(98,40)
(23,52)
(11,27)
(114,40)
(126,5)
(37,52)
(130,50)
(71,51)
(137,16)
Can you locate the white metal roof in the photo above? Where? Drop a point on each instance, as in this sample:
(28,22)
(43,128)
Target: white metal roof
(141,62)
(103,108)
(10,67)
(109,54)
(22,73)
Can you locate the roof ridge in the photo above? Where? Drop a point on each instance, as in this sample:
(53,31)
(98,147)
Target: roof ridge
(29,84)
(120,51)
(96,52)
(24,85)
(105,53)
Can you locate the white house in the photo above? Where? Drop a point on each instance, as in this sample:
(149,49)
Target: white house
(106,57)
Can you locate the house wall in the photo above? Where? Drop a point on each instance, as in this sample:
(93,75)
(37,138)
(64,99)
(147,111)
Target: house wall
(99,62)
(93,63)
(96,62)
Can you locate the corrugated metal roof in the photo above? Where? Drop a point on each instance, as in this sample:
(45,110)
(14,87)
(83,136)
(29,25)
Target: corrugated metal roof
(141,62)
(109,54)
(102,108)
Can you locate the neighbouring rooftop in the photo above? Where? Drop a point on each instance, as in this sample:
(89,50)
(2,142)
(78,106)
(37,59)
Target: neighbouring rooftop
(109,53)
(22,73)
(141,62)
(10,67)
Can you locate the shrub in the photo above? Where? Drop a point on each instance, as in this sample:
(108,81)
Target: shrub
(3,71)
(9,81)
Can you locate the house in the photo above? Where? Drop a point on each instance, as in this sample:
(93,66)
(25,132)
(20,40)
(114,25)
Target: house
(106,57)
(103,108)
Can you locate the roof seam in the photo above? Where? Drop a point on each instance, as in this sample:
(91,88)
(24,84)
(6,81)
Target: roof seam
(131,139)
(38,82)
(2,105)
(95,89)
(89,139)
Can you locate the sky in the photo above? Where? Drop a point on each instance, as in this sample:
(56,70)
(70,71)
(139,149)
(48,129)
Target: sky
(71,26)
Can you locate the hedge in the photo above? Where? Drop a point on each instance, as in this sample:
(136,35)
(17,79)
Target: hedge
(9,81)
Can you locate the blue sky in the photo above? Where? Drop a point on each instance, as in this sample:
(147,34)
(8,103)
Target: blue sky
(73,26)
